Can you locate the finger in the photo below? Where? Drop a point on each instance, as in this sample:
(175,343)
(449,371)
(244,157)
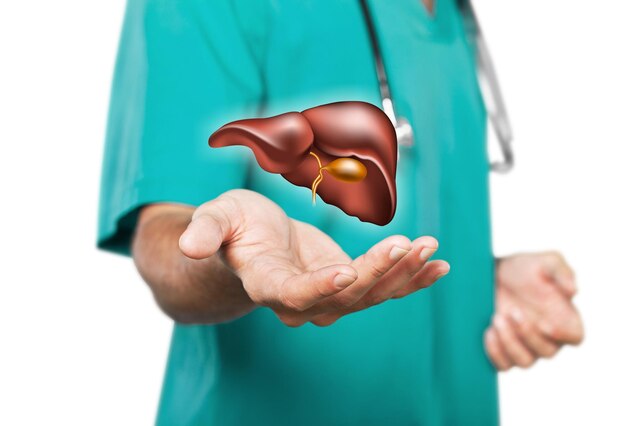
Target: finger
(324,320)
(496,352)
(399,275)
(564,326)
(370,268)
(426,277)
(302,291)
(431,272)
(560,273)
(513,347)
(531,336)
(212,224)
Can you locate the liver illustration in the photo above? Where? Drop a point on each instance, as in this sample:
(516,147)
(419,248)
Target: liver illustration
(291,143)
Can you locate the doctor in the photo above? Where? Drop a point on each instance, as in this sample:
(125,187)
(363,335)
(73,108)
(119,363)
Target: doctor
(288,314)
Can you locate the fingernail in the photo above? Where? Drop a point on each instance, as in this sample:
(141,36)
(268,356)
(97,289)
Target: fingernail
(517,315)
(443,273)
(343,280)
(427,252)
(499,321)
(397,253)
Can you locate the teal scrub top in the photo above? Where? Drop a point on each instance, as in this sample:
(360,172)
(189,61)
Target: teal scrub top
(185,68)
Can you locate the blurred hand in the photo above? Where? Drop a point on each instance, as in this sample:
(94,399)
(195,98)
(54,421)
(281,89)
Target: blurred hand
(297,270)
(535,314)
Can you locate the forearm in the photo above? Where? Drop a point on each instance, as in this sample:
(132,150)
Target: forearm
(189,291)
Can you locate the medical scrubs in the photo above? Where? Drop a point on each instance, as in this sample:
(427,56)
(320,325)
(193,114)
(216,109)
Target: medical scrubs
(185,68)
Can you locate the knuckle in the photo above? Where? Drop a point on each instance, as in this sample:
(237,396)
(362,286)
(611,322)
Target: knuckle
(342,301)
(525,328)
(408,273)
(551,330)
(374,298)
(228,207)
(549,352)
(375,265)
(376,270)
(495,351)
(502,365)
(525,362)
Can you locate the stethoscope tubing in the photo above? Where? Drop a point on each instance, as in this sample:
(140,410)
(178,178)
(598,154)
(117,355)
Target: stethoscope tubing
(487,79)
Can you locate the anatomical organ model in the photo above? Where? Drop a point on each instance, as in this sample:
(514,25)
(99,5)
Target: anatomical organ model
(346,152)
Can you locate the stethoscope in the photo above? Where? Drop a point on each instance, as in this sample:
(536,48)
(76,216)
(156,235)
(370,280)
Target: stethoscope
(487,78)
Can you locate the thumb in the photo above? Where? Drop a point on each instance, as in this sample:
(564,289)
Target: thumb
(212,224)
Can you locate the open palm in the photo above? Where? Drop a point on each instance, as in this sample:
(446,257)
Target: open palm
(299,271)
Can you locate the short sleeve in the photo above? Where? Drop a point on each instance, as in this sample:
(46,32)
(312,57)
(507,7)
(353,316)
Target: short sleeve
(183,69)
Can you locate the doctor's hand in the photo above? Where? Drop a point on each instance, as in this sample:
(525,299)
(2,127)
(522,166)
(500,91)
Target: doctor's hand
(297,270)
(535,314)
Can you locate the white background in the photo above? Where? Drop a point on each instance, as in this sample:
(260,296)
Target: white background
(81,340)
